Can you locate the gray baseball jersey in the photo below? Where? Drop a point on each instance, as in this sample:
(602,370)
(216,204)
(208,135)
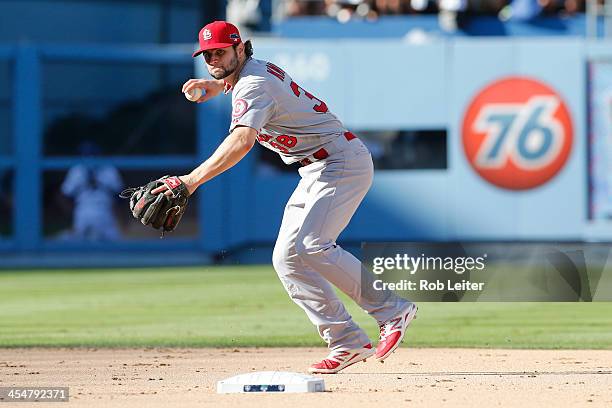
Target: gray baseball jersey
(289,120)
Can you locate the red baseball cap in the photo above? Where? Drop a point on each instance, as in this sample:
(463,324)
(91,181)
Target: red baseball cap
(218,34)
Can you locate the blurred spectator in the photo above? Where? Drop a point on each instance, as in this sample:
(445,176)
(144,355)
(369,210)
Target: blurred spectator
(344,10)
(486,7)
(449,13)
(521,10)
(93,190)
(296,8)
(392,6)
(424,6)
(525,10)
(577,6)
(244,13)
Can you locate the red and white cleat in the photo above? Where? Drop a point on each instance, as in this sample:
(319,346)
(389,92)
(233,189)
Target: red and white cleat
(392,332)
(339,360)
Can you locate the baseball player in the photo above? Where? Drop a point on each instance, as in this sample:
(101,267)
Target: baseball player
(336,173)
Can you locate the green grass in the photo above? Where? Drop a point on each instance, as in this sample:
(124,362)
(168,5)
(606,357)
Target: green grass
(247,306)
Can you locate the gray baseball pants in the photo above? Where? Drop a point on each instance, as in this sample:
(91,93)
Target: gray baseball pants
(307,258)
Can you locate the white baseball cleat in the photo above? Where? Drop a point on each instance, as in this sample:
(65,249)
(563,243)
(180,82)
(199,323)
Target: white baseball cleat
(339,360)
(393,330)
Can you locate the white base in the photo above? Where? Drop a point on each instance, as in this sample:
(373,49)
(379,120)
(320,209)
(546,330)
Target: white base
(270,381)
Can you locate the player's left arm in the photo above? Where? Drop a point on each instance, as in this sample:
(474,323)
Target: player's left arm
(235,146)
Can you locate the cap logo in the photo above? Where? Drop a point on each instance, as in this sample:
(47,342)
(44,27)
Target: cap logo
(234,36)
(207,35)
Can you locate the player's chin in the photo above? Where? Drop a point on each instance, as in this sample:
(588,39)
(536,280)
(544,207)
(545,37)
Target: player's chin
(219,73)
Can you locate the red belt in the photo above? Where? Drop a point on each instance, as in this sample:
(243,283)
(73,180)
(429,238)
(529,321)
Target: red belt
(322,153)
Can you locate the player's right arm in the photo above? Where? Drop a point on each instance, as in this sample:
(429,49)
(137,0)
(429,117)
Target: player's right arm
(211,87)
(230,151)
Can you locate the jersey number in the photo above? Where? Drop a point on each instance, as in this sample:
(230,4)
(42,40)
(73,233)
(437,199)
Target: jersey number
(282,142)
(321,107)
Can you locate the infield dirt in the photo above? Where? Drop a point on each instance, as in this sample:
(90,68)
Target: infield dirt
(161,377)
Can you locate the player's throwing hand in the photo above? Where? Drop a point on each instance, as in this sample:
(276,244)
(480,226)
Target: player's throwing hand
(210,88)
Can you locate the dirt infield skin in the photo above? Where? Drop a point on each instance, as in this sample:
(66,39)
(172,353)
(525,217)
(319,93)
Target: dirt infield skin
(160,377)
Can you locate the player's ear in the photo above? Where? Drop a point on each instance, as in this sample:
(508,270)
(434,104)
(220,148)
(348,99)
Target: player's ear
(240,49)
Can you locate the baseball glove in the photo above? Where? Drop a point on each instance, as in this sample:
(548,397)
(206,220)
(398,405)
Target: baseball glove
(160,211)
